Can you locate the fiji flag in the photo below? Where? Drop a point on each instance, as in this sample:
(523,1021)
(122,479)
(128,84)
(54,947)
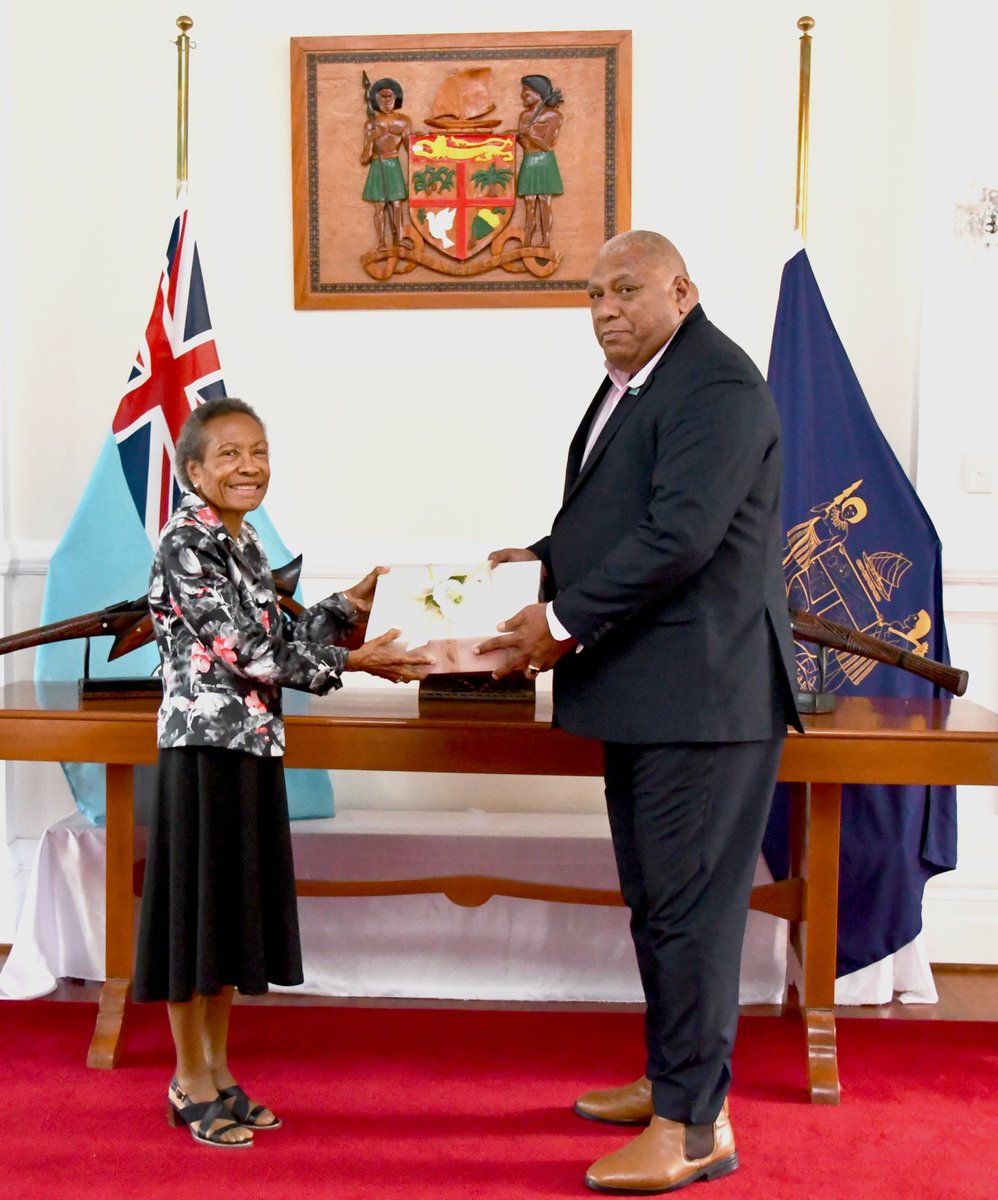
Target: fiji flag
(860,550)
(106,552)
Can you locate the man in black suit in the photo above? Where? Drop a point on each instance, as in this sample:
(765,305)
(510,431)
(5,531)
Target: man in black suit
(668,633)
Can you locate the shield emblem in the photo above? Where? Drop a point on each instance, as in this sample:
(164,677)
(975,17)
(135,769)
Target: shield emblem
(462,188)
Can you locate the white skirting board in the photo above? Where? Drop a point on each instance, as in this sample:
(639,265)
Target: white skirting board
(425,946)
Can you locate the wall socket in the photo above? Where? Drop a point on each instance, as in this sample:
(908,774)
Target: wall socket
(977,474)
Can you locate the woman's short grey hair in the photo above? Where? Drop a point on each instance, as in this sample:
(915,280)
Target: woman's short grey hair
(190,443)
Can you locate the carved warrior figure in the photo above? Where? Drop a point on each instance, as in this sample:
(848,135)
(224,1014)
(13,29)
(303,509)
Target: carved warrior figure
(385,133)
(537,131)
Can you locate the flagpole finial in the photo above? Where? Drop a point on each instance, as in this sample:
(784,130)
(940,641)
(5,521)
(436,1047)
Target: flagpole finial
(805,24)
(185,23)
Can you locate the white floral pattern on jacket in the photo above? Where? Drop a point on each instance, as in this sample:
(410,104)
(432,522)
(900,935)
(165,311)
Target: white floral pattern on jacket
(226,649)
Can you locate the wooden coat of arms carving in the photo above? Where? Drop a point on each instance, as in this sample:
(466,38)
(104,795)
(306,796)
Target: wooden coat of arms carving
(428,172)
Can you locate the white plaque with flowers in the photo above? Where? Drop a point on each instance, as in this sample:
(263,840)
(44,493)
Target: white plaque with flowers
(450,609)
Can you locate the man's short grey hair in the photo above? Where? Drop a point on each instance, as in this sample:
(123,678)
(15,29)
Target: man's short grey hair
(190,443)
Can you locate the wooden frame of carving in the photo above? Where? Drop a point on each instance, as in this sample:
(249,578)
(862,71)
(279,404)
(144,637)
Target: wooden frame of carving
(333,224)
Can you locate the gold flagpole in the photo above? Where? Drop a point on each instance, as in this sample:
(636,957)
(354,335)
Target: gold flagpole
(183,60)
(805,25)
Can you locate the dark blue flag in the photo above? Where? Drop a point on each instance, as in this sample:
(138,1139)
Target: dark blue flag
(860,550)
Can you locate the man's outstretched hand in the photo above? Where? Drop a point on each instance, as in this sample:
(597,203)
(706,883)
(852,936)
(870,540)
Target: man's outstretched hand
(528,643)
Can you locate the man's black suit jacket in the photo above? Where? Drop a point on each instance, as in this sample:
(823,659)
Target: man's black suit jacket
(665,558)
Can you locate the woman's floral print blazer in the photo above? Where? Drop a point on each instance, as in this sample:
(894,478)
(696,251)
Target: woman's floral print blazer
(226,649)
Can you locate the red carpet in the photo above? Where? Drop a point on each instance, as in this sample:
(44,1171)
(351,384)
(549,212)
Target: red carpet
(447,1105)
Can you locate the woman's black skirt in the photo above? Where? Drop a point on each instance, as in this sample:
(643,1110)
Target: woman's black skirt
(218,902)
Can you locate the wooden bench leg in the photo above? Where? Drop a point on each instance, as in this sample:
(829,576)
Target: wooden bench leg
(105,1046)
(820,938)
(119,903)
(822,1061)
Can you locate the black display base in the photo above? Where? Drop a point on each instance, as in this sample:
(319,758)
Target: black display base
(123,688)
(480,686)
(815,702)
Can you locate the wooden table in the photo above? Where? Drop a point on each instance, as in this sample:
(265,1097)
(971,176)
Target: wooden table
(863,741)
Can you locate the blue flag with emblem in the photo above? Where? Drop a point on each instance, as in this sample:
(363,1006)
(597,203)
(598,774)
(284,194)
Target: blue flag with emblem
(106,552)
(860,550)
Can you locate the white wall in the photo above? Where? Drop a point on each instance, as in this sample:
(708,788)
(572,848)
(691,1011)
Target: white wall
(387,465)
(7,280)
(715,90)
(958,429)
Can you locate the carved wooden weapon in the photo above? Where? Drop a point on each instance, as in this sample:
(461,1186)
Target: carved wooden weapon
(130,623)
(809,627)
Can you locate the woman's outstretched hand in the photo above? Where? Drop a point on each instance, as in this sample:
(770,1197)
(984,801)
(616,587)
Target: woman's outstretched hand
(380,656)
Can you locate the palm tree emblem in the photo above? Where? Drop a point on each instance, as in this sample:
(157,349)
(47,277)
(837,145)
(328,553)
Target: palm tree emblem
(492,178)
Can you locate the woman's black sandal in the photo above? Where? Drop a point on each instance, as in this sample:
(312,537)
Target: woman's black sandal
(203,1114)
(240,1106)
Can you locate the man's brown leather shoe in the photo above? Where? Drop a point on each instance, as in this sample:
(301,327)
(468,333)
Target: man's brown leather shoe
(630,1105)
(657,1161)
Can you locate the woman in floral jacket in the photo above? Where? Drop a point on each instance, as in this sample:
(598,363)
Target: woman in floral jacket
(218,905)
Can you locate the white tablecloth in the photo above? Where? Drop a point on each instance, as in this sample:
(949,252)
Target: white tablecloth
(425,946)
